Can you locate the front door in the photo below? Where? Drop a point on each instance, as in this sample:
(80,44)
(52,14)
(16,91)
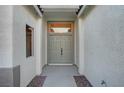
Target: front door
(60,43)
(60,49)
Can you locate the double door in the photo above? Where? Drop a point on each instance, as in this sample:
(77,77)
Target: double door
(60,49)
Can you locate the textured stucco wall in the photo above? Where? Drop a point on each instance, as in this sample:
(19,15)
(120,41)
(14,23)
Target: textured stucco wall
(15,68)
(76,43)
(104,45)
(81,45)
(38,47)
(44,41)
(6,30)
(6,23)
(23,15)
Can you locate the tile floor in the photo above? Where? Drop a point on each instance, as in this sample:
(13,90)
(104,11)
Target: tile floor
(59,76)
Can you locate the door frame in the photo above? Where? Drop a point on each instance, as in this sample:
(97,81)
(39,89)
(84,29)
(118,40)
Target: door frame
(73,39)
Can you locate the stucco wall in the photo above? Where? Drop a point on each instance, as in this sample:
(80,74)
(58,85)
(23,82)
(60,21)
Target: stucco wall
(81,45)
(44,41)
(6,23)
(104,45)
(76,43)
(23,15)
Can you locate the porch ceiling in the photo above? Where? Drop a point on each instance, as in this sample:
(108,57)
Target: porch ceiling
(60,12)
(60,8)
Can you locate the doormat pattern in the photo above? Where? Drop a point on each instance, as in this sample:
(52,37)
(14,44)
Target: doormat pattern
(37,81)
(82,81)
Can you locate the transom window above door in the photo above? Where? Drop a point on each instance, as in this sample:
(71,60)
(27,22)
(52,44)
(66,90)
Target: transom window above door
(60,27)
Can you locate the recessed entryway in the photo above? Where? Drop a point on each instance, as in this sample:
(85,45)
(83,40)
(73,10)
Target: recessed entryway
(60,43)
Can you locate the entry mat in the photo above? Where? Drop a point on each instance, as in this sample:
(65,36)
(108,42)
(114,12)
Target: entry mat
(82,81)
(37,81)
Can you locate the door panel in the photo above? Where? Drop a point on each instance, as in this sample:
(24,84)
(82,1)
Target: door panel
(60,49)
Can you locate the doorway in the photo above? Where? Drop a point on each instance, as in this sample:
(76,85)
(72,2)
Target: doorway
(60,43)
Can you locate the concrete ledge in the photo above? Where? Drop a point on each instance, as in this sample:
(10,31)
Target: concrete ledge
(10,77)
(16,76)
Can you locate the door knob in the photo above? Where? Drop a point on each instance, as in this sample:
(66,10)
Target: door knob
(61,51)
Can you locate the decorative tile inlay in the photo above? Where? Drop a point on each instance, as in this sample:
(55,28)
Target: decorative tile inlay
(37,81)
(82,81)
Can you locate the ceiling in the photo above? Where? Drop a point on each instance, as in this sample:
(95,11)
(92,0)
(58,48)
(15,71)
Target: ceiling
(59,8)
(60,12)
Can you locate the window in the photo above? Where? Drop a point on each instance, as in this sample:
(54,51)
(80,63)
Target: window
(29,40)
(60,27)
(60,30)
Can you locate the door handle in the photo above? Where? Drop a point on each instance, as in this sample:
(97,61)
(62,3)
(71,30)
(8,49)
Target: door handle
(61,51)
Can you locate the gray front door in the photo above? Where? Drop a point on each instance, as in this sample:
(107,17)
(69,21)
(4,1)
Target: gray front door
(60,49)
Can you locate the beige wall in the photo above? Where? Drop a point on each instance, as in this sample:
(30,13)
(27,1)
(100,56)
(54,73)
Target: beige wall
(44,41)
(6,23)
(23,15)
(104,45)
(76,43)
